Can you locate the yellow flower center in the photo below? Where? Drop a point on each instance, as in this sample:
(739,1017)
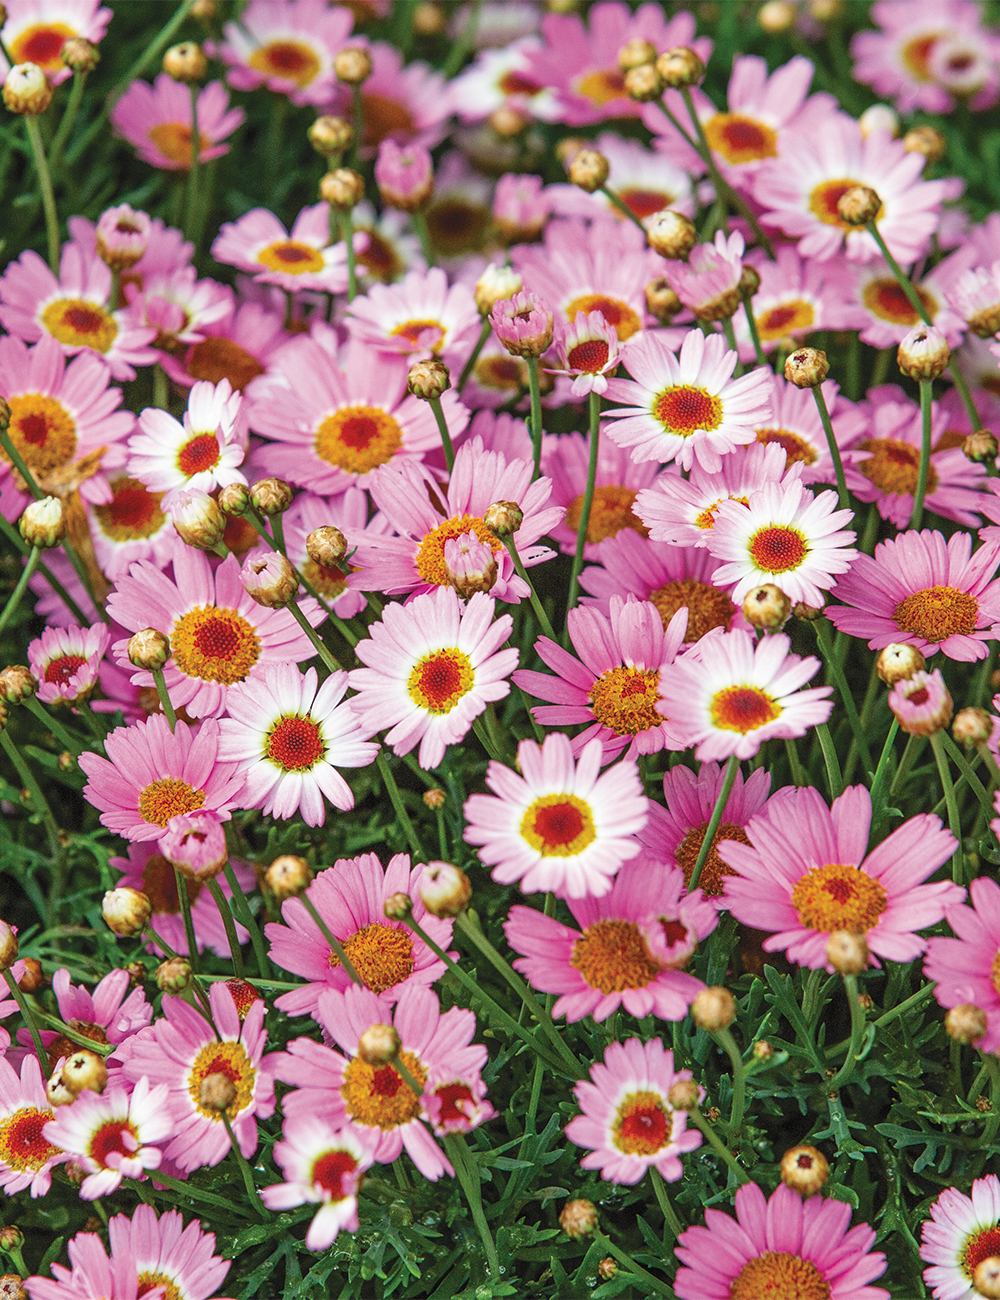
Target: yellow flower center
(149,1281)
(291,256)
(42,430)
(777,1275)
(425,333)
(506,374)
(132,513)
(22,1146)
(214,644)
(601,86)
(440,679)
(430,554)
(838,897)
(643,1125)
(624,699)
(777,549)
(287,60)
(683,409)
(885,299)
(168,797)
(785,318)
(916,54)
(558,825)
(358,438)
(937,613)
(173,140)
(380,1096)
(231,1060)
(894,466)
(686,855)
(42,44)
(613,956)
(743,709)
(615,312)
(794,446)
(741,139)
(79,323)
(610,512)
(327,579)
(825,197)
(707,606)
(381,954)
(707,517)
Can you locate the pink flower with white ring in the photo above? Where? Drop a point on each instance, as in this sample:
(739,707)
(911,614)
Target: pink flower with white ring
(303,259)
(202,453)
(288,46)
(323,1165)
(589,352)
(65,661)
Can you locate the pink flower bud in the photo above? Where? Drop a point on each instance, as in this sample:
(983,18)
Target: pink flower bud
(196,845)
(469,564)
(523,324)
(404,175)
(122,236)
(520,206)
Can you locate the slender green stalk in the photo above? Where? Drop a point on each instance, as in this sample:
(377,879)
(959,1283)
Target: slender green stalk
(594,401)
(45,185)
(730,333)
(184,901)
(923,473)
(442,424)
(536,604)
(831,442)
(903,279)
(986,754)
(29,1020)
(462,46)
(392,789)
(358,116)
(913,746)
(622,207)
(68,119)
(161,393)
(966,768)
(245,1172)
(467,1173)
(164,694)
(959,380)
(857,1033)
(74,1036)
(663,1200)
(717,1145)
(754,332)
(732,767)
(834,779)
(799,777)
(648,1279)
(247,920)
(485,740)
(75,744)
(536,414)
(954,823)
(883,762)
(17,1259)
(197,1193)
(725,1038)
(399,1065)
(222,903)
(825,643)
(335,945)
(8,531)
(911,1003)
(347,230)
(313,635)
(38,800)
(470,365)
(7,613)
(420,224)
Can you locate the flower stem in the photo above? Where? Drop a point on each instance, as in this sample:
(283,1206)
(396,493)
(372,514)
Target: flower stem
(194,173)
(648,1279)
(15,538)
(954,824)
(358,116)
(732,767)
(536,604)
(313,635)
(164,694)
(959,380)
(588,498)
(718,1145)
(184,900)
(831,442)
(754,332)
(663,1200)
(897,270)
(850,708)
(857,1033)
(798,775)
(75,744)
(536,414)
(725,1038)
(232,939)
(38,802)
(467,1173)
(247,920)
(913,745)
(68,119)
(248,1181)
(923,473)
(45,185)
(834,779)
(442,424)
(462,46)
(29,1020)
(470,365)
(7,613)
(347,230)
(622,207)
(420,223)
(392,790)
(966,768)
(335,945)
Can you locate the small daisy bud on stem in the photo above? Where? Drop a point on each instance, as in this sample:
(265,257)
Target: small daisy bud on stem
(428,380)
(469,565)
(197,519)
(589,170)
(523,324)
(644,83)
(379,1045)
(353,65)
(924,353)
(495,284)
(186,63)
(173,976)
(777,16)
(434,799)
(607,1268)
(234,499)
(684,1094)
(578,1218)
(122,237)
(330,136)
(126,911)
(507,122)
(804,1169)
(43,523)
(271,496)
(749,282)
(288,876)
(17,684)
(217,1091)
(671,234)
(972,727)
(898,662)
(926,140)
(79,54)
(763,1050)
(326,546)
(806,367)
(714,1008)
(397,907)
(85,1071)
(680,67)
(429,19)
(879,117)
(966,1023)
(148,649)
(568,147)
(921,704)
(342,188)
(767,607)
(8,946)
(859,205)
(847,952)
(982,445)
(503,518)
(269,579)
(445,889)
(986,1278)
(58,1092)
(11,1236)
(404,175)
(634,53)
(32,978)
(661,301)
(26,90)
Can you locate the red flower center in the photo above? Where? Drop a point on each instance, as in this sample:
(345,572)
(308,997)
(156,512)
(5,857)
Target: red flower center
(330,1171)
(198,454)
(776,550)
(295,744)
(590,356)
(62,669)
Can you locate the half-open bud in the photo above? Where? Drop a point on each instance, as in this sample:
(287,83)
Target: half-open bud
(404,175)
(680,67)
(126,911)
(806,367)
(195,844)
(26,90)
(495,284)
(122,236)
(859,205)
(445,889)
(186,63)
(899,661)
(43,523)
(714,1008)
(847,952)
(469,564)
(922,703)
(924,353)
(671,234)
(966,1023)
(269,579)
(197,519)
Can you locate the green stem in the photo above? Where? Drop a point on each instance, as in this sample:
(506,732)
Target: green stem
(335,945)
(222,903)
(913,1001)
(739,1080)
(923,473)
(483,736)
(247,920)
(594,400)
(831,442)
(442,424)
(29,1020)
(458,52)
(358,120)
(420,225)
(825,644)
(663,1200)
(896,269)
(536,415)
(954,824)
(958,379)
(68,119)
(754,332)
(17,1259)
(194,173)
(470,365)
(74,1036)
(164,694)
(15,539)
(347,230)
(717,1145)
(15,598)
(313,635)
(966,768)
(732,767)
(833,776)
(799,777)
(857,1033)
(467,1173)
(883,762)
(45,184)
(248,1181)
(184,900)
(161,393)
(397,802)
(38,800)
(75,744)
(622,207)
(196,1193)
(536,604)
(913,745)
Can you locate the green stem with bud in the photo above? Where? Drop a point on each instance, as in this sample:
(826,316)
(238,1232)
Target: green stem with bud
(923,473)
(857,1033)
(7,613)
(313,635)
(29,1019)
(536,604)
(227,920)
(725,1038)
(45,185)
(8,531)
(732,767)
(622,207)
(903,279)
(962,387)
(663,1200)
(184,900)
(717,1145)
(75,744)
(831,442)
(247,920)
(347,231)
(594,400)
(536,415)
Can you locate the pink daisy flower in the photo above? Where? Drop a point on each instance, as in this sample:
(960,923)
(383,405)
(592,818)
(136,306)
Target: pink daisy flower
(27,1157)
(628,1124)
(629,952)
(498,78)
(155,774)
(670,577)
(183,1050)
(676,833)
(776,1244)
(961,1232)
(796,296)
(305,259)
(924,591)
(561,826)
(686,408)
(887,314)
(588,349)
(350,896)
(112,1135)
(408,103)
(619,480)
(239,347)
(200,454)
(420,317)
(414,560)
(65,661)
(287,46)
(36,30)
(111,1014)
(218,635)
(290,737)
(332,424)
(156,120)
(72,309)
(613,686)
(888,475)
(432,666)
(796,427)
(323,1166)
(730,694)
(179,305)
(93,1275)
(147,869)
(130,526)
(961,968)
(801,888)
(166,1253)
(375,1102)
(800,191)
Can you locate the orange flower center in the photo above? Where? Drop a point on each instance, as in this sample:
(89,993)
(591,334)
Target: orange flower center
(741,139)
(643,1124)
(291,256)
(60,670)
(614,310)
(229,1059)
(380,1096)
(42,44)
(42,430)
(214,644)
(885,299)
(159,882)
(358,438)
(381,954)
(785,318)
(385,117)
(602,85)
(825,197)
(795,447)
(707,606)
(509,374)
(440,679)
(743,709)
(517,83)
(149,1281)
(838,897)
(778,549)
(173,140)
(286,60)
(422,333)
(295,743)
(558,825)
(894,466)
(198,454)
(132,513)
(216,359)
(590,356)
(610,512)
(707,517)
(613,956)
(916,54)
(977,1247)
(79,323)
(624,699)
(330,1171)
(430,554)
(168,797)
(683,409)
(22,1146)
(456,1102)
(686,855)
(643,203)
(937,613)
(779,1276)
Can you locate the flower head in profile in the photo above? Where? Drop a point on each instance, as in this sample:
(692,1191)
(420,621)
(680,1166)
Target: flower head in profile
(708,283)
(323,1165)
(962,967)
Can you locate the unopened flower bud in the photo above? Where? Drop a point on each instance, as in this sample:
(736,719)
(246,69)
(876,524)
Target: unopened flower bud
(136,974)
(343,188)
(269,579)
(634,53)
(353,65)
(986,1277)
(17,684)
(763,1050)
(926,140)
(434,798)
(428,379)
(429,19)
(981,445)
(326,546)
(966,1023)
(79,54)
(684,1094)
(85,1071)
(858,205)
(749,282)
(205,11)
(331,136)
(32,978)
(26,90)
(661,301)
(503,518)
(671,234)
(804,1169)
(11,1236)
(378,1045)
(288,876)
(217,1091)
(777,16)
(972,726)
(607,1268)
(148,649)
(186,62)
(680,67)
(507,122)
(847,952)
(644,83)
(568,147)
(767,607)
(879,117)
(397,907)
(578,1218)
(445,889)
(469,565)
(234,499)
(714,1008)
(197,519)
(122,236)
(922,704)
(271,496)
(924,353)
(589,170)
(495,284)
(8,946)
(404,175)
(712,1114)
(126,911)
(58,1092)
(43,522)
(898,662)
(173,976)
(806,367)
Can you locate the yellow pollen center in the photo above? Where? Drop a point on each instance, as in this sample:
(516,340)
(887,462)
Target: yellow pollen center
(42,44)
(558,825)
(429,559)
(643,1124)
(291,256)
(894,466)
(777,549)
(779,1276)
(422,333)
(785,318)
(743,709)
(613,956)
(601,86)
(508,374)
(22,1146)
(615,312)
(686,855)
(379,1095)
(794,446)
(217,358)
(132,513)
(231,1060)
(885,299)
(286,60)
(916,54)
(707,517)
(217,645)
(995,971)
(624,700)
(80,324)
(358,438)
(825,197)
(173,140)
(683,409)
(42,430)
(741,139)
(937,613)
(838,897)
(440,679)
(168,797)
(707,606)
(381,954)
(610,512)
(149,1281)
